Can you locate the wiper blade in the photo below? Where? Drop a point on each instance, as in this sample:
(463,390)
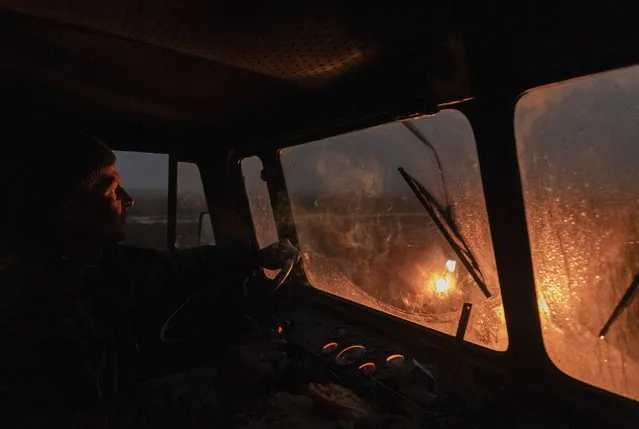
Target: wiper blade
(621,306)
(443,219)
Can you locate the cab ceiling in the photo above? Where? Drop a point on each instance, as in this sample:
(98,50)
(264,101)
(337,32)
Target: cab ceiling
(161,74)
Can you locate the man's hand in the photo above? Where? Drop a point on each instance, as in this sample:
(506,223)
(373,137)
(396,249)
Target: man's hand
(274,256)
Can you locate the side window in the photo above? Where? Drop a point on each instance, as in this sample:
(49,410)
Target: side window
(578,147)
(193,221)
(146,177)
(259,201)
(260,204)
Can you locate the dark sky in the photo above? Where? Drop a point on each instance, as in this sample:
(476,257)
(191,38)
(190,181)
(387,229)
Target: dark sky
(583,134)
(143,170)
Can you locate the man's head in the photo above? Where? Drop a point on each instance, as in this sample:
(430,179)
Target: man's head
(97,212)
(69,187)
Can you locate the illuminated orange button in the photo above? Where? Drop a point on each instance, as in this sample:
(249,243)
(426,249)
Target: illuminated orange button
(367,368)
(395,360)
(329,348)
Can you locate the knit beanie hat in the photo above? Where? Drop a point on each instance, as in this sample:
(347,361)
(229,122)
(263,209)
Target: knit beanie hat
(45,167)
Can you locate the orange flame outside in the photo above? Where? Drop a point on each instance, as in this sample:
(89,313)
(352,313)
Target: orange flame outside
(445,282)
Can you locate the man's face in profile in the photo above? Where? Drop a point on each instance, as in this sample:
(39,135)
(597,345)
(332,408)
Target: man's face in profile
(100,213)
(111,206)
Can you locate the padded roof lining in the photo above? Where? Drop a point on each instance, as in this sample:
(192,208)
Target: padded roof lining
(234,72)
(150,73)
(132,76)
(316,43)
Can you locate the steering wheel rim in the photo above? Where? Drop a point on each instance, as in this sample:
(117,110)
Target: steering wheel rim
(281,278)
(286,271)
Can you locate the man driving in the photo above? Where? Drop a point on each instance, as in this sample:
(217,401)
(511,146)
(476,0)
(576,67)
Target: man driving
(74,304)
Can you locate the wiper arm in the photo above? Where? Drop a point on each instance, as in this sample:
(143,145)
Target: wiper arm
(410,126)
(443,219)
(621,306)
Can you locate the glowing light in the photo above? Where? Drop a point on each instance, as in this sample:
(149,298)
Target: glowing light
(543,305)
(367,368)
(393,357)
(499,311)
(280,330)
(451,265)
(442,284)
(395,360)
(329,348)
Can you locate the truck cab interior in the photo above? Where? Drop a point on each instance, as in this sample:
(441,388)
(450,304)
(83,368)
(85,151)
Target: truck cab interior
(459,178)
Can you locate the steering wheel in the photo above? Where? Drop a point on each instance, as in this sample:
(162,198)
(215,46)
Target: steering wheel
(227,302)
(285,272)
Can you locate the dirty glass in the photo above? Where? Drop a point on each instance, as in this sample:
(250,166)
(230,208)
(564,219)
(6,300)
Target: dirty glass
(259,202)
(260,205)
(578,144)
(365,236)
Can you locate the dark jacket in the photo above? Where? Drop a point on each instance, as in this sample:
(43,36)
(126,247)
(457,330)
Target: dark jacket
(69,333)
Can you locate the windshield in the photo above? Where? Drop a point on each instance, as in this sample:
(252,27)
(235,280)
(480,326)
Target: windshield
(578,145)
(366,236)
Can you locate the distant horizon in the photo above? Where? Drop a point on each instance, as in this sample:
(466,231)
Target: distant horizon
(343,194)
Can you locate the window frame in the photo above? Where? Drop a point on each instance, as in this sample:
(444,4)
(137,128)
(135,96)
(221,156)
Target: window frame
(226,198)
(465,316)
(592,72)
(526,361)
(492,117)
(172,191)
(428,337)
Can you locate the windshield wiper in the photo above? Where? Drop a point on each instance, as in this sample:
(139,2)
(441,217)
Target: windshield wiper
(621,306)
(443,219)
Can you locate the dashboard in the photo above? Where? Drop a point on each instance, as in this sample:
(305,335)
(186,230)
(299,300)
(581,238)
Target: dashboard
(357,358)
(339,363)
